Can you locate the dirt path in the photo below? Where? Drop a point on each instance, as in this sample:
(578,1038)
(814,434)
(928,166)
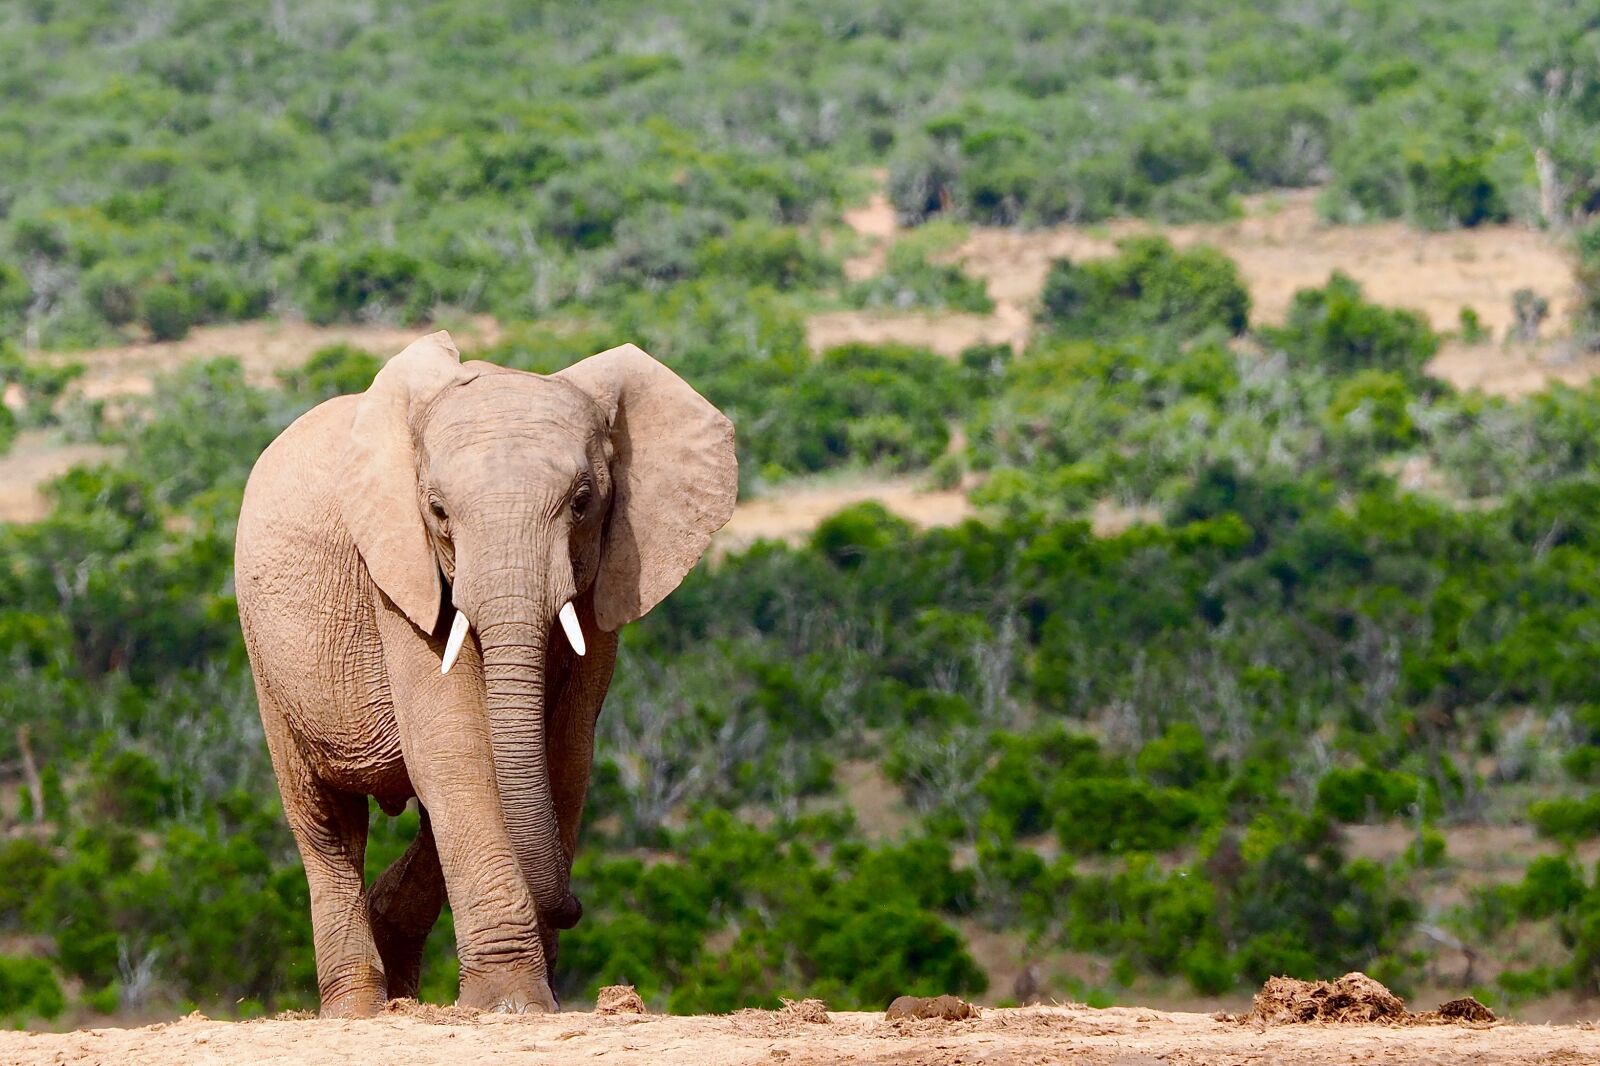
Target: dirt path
(1119,1036)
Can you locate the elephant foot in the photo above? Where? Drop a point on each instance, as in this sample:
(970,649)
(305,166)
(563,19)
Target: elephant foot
(521,993)
(356,1003)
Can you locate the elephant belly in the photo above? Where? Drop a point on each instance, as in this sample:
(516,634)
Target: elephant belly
(321,670)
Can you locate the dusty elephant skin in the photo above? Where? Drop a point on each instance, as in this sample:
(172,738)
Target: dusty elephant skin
(430,579)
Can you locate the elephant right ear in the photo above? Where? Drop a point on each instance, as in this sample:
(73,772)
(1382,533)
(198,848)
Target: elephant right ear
(379,501)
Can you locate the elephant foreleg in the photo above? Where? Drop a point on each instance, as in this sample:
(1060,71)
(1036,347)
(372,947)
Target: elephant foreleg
(403,905)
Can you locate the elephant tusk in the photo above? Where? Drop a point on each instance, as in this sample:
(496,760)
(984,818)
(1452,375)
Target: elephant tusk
(569,623)
(452,647)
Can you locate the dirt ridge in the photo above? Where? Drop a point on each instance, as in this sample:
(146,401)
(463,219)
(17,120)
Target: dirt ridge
(1119,1036)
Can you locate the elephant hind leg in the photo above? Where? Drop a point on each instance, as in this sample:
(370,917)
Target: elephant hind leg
(330,828)
(403,906)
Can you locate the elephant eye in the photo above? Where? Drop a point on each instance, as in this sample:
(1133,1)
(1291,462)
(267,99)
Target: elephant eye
(437,507)
(581,500)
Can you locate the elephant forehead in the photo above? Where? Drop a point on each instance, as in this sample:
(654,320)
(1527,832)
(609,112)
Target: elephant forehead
(501,406)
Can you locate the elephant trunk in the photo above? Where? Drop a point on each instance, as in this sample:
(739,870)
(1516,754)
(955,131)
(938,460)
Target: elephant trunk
(513,634)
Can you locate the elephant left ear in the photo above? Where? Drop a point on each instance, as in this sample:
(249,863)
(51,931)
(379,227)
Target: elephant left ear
(674,479)
(378,493)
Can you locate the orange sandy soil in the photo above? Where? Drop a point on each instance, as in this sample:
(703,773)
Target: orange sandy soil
(1026,1035)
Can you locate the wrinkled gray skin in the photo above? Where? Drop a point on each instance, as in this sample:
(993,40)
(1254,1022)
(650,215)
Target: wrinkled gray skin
(365,527)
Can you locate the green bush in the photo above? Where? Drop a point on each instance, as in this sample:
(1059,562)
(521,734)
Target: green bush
(25,865)
(336,370)
(1567,819)
(857,532)
(885,405)
(911,280)
(1370,409)
(29,990)
(167,311)
(1335,330)
(1148,285)
(1359,794)
(1113,814)
(347,284)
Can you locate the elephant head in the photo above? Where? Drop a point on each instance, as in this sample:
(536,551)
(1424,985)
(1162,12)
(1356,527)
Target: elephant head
(598,487)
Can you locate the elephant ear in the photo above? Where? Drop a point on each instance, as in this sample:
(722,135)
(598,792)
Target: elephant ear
(379,501)
(674,479)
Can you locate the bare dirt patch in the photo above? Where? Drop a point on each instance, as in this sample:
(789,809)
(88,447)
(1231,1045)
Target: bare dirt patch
(263,347)
(791,515)
(35,458)
(1280,247)
(1114,1037)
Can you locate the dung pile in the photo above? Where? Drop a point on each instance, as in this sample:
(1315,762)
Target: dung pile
(618,999)
(1463,1011)
(945,1008)
(811,1011)
(1355,997)
(1352,999)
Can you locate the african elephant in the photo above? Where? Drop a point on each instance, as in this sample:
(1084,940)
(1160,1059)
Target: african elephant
(404,557)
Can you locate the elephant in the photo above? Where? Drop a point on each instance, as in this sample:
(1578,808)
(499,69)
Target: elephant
(403,560)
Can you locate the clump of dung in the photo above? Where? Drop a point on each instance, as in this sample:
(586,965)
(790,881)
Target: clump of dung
(618,999)
(1355,997)
(1463,1011)
(945,1008)
(805,1010)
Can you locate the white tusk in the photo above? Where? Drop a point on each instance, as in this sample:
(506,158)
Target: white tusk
(569,622)
(452,647)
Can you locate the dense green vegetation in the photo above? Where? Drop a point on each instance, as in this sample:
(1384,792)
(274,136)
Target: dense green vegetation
(1152,746)
(199,160)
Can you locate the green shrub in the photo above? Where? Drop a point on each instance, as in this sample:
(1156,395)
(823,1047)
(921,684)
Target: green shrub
(1550,885)
(28,990)
(167,311)
(25,865)
(1149,285)
(336,370)
(1361,793)
(1448,189)
(911,280)
(1371,409)
(1586,313)
(1335,330)
(1114,814)
(885,405)
(346,284)
(768,255)
(858,531)
(1567,819)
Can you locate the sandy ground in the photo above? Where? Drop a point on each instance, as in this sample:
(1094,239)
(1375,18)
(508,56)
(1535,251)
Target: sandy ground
(1120,1036)
(36,457)
(789,516)
(1279,245)
(264,347)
